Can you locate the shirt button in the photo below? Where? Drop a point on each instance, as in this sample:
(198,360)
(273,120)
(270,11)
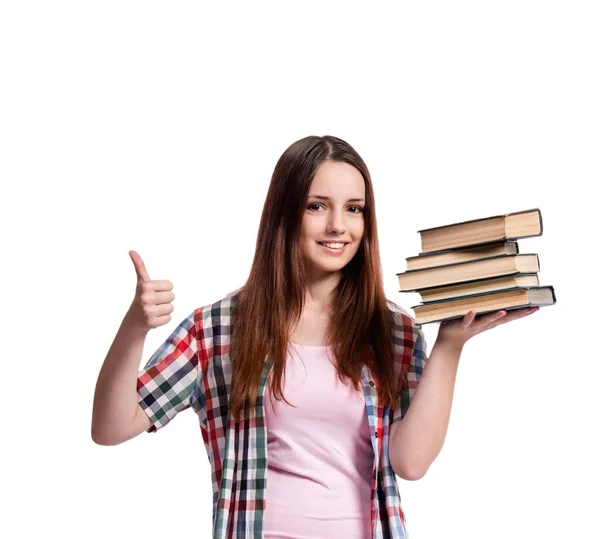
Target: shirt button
(371,383)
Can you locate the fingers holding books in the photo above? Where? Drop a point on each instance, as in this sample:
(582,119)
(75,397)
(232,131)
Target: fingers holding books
(459,331)
(501,317)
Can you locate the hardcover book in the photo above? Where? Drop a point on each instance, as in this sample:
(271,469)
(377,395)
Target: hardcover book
(477,287)
(473,270)
(510,226)
(515,298)
(443,258)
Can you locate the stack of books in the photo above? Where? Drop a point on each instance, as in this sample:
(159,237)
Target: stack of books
(476,265)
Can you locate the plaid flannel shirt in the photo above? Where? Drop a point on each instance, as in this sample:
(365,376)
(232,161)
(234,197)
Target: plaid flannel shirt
(192,369)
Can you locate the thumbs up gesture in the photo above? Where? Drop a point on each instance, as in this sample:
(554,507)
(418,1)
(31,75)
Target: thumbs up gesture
(151,306)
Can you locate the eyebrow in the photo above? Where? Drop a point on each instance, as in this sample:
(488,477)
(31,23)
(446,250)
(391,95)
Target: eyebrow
(321,197)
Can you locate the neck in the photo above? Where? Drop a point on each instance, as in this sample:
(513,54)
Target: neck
(319,292)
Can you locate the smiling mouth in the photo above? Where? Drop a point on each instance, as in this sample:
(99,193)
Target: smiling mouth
(333,247)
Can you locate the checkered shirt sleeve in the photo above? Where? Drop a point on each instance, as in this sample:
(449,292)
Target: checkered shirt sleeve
(413,358)
(168,383)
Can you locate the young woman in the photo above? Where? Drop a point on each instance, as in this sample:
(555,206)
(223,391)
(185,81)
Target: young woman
(305,379)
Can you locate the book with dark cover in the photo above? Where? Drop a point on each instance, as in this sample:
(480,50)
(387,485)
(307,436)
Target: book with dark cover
(481,286)
(453,256)
(484,268)
(506,300)
(510,226)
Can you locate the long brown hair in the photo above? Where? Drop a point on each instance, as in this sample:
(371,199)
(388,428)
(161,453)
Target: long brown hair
(271,301)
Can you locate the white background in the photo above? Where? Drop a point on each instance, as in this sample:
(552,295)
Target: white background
(155,126)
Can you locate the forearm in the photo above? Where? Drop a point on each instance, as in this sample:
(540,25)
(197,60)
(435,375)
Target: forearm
(115,398)
(419,437)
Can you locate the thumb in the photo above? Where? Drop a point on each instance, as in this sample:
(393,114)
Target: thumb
(140,268)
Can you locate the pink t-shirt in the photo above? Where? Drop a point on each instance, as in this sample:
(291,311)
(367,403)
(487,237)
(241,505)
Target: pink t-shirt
(319,454)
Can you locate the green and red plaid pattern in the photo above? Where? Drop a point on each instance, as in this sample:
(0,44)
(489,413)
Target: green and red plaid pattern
(192,369)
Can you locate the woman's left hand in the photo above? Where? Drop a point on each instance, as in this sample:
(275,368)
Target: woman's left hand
(457,332)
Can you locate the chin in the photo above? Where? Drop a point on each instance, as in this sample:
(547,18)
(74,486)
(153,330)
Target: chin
(327,264)
(329,267)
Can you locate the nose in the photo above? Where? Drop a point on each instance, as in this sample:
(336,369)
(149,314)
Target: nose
(335,223)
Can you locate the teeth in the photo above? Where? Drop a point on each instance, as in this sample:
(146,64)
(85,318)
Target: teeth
(334,245)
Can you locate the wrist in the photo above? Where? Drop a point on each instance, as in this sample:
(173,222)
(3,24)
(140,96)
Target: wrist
(449,346)
(132,325)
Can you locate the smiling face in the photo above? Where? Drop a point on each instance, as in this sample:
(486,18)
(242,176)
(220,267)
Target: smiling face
(333,222)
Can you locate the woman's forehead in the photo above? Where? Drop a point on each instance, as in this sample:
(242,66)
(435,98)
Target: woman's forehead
(337,180)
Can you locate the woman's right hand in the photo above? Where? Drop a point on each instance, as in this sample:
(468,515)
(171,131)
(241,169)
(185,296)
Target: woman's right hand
(151,306)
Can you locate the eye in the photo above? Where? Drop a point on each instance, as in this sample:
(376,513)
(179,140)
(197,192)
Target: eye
(311,206)
(357,208)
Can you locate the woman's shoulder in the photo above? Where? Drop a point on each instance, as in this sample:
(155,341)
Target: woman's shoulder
(217,312)
(402,319)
